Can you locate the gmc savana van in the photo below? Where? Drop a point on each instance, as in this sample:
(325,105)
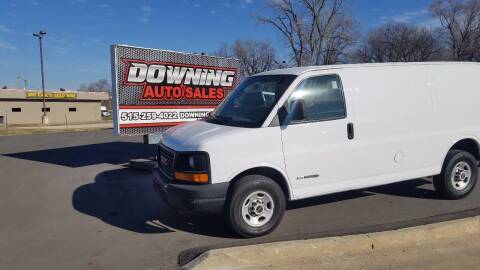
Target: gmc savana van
(296,133)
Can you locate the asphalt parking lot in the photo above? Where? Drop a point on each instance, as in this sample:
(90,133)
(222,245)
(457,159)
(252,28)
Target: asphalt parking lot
(69,202)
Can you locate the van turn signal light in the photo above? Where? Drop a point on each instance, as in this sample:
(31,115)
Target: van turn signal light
(192,177)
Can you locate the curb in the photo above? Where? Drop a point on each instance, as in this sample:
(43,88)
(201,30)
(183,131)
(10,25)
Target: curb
(334,247)
(189,255)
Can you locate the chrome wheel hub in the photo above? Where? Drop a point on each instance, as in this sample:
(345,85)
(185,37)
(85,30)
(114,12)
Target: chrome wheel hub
(461,175)
(257,208)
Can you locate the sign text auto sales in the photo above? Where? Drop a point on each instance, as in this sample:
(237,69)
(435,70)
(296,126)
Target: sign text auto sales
(173,81)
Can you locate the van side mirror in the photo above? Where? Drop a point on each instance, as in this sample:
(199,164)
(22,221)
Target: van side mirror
(282,115)
(295,112)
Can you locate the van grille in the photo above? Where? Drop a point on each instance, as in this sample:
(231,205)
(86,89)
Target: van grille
(165,161)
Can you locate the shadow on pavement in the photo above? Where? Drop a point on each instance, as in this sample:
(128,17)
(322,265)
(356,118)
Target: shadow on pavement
(91,154)
(125,198)
(411,189)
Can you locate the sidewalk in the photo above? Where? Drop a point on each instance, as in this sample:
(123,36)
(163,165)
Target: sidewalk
(447,245)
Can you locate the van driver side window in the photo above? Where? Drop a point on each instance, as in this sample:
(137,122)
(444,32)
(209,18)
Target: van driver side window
(321,98)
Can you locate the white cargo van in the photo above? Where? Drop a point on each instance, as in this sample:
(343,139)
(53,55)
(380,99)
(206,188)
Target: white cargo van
(296,133)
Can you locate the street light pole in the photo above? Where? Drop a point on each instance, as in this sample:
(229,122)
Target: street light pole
(40,35)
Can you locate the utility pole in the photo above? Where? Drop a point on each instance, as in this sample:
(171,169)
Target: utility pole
(40,35)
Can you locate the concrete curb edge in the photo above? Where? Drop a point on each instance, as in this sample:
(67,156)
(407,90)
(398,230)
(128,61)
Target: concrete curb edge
(197,256)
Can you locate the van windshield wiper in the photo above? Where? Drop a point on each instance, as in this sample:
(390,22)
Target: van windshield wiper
(216,119)
(226,120)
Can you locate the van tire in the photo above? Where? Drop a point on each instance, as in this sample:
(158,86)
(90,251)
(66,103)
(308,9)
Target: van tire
(450,186)
(271,197)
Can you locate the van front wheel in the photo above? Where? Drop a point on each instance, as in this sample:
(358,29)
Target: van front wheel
(255,206)
(459,175)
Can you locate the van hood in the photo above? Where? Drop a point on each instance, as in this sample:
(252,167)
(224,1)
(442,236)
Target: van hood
(193,135)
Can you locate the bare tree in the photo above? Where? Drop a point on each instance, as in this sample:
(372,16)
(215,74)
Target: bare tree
(224,50)
(102,85)
(254,56)
(317,31)
(399,42)
(460,24)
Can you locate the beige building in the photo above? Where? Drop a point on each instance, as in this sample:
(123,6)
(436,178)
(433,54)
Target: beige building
(25,107)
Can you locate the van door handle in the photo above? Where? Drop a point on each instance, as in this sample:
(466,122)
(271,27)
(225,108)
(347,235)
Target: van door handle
(350,131)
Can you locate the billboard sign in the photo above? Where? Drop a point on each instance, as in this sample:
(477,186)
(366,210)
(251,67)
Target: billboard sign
(156,89)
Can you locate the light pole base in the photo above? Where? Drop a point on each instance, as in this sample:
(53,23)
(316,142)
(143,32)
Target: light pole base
(45,120)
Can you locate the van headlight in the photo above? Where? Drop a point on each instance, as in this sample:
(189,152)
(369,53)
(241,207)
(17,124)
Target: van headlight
(192,167)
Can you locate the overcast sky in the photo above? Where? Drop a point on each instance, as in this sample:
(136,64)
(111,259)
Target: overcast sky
(80,32)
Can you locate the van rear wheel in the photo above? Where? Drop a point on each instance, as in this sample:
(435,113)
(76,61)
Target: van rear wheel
(255,206)
(459,175)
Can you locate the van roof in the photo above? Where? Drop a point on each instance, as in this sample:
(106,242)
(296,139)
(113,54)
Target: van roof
(300,70)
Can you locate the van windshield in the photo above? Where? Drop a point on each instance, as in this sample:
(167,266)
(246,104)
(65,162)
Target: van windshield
(252,101)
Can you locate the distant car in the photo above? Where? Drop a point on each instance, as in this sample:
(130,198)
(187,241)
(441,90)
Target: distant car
(303,132)
(106,113)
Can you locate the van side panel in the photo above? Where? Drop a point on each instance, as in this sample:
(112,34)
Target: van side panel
(406,118)
(394,124)
(457,110)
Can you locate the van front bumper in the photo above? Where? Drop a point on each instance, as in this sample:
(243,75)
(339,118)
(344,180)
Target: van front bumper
(191,199)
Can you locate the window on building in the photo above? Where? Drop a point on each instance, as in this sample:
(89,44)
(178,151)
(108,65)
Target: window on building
(47,109)
(72,109)
(16,109)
